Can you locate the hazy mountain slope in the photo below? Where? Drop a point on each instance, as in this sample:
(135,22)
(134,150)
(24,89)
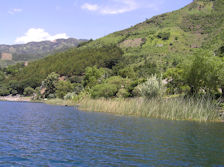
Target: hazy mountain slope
(10,54)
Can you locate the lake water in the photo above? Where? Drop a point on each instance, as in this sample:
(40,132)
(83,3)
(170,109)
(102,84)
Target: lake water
(43,135)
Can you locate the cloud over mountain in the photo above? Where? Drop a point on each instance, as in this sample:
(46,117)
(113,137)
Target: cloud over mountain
(37,35)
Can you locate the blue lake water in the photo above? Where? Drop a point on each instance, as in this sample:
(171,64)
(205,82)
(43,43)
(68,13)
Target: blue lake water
(34,134)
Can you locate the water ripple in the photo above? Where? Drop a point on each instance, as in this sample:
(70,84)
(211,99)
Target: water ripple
(43,135)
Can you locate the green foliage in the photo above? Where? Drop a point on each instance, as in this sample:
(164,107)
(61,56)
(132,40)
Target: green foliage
(4,91)
(37,94)
(28,91)
(15,87)
(175,80)
(2,76)
(123,93)
(220,51)
(62,88)
(93,76)
(117,80)
(76,79)
(132,86)
(13,69)
(104,90)
(50,84)
(201,74)
(127,72)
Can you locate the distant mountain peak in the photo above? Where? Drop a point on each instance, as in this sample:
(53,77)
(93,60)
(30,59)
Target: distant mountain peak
(35,50)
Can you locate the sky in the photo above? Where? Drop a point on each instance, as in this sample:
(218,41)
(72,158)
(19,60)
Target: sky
(23,21)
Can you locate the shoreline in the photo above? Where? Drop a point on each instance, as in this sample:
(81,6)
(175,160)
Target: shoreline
(15,99)
(107,106)
(58,102)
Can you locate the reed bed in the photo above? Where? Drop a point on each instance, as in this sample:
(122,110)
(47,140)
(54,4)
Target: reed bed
(59,102)
(163,108)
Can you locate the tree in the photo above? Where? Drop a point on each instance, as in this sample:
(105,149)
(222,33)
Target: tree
(202,73)
(50,83)
(93,76)
(62,88)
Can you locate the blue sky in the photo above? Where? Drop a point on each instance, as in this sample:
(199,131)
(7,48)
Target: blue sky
(35,20)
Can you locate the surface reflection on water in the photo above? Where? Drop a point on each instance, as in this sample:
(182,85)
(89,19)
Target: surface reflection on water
(43,135)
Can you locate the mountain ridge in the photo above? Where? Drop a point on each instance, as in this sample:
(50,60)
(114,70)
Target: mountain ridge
(10,54)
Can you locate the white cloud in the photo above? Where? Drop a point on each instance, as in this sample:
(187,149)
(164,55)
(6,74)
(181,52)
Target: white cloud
(90,7)
(113,7)
(37,35)
(15,10)
(120,6)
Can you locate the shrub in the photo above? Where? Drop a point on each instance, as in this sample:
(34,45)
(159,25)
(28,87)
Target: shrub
(153,87)
(70,96)
(104,90)
(28,91)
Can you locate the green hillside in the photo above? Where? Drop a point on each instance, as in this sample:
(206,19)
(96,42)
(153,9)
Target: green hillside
(170,37)
(152,47)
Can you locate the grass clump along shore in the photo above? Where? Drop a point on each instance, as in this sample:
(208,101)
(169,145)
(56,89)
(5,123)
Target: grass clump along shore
(162,108)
